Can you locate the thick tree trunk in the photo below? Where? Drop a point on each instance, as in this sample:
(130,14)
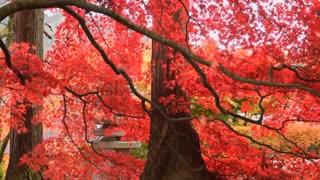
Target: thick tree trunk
(174,149)
(29,29)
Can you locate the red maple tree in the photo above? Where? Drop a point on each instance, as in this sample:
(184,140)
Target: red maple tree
(237,62)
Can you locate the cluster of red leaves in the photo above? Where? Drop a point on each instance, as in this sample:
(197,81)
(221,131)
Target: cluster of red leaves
(79,67)
(14,94)
(71,68)
(58,158)
(233,156)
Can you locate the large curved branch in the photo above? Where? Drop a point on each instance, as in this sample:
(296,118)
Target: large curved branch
(32,4)
(189,56)
(37,4)
(115,69)
(265,83)
(293,69)
(303,155)
(207,85)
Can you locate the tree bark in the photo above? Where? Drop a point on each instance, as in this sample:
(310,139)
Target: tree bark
(28,28)
(174,148)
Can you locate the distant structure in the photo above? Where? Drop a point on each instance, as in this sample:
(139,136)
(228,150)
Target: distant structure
(112,141)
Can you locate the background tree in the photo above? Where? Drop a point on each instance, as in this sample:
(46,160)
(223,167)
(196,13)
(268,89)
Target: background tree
(28,29)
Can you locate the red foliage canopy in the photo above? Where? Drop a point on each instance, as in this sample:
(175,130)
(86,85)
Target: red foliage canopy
(254,62)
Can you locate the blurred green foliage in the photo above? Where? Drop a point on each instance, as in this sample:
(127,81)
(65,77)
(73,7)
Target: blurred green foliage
(140,153)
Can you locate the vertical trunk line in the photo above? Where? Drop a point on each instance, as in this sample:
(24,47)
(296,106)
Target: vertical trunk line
(174,148)
(28,28)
